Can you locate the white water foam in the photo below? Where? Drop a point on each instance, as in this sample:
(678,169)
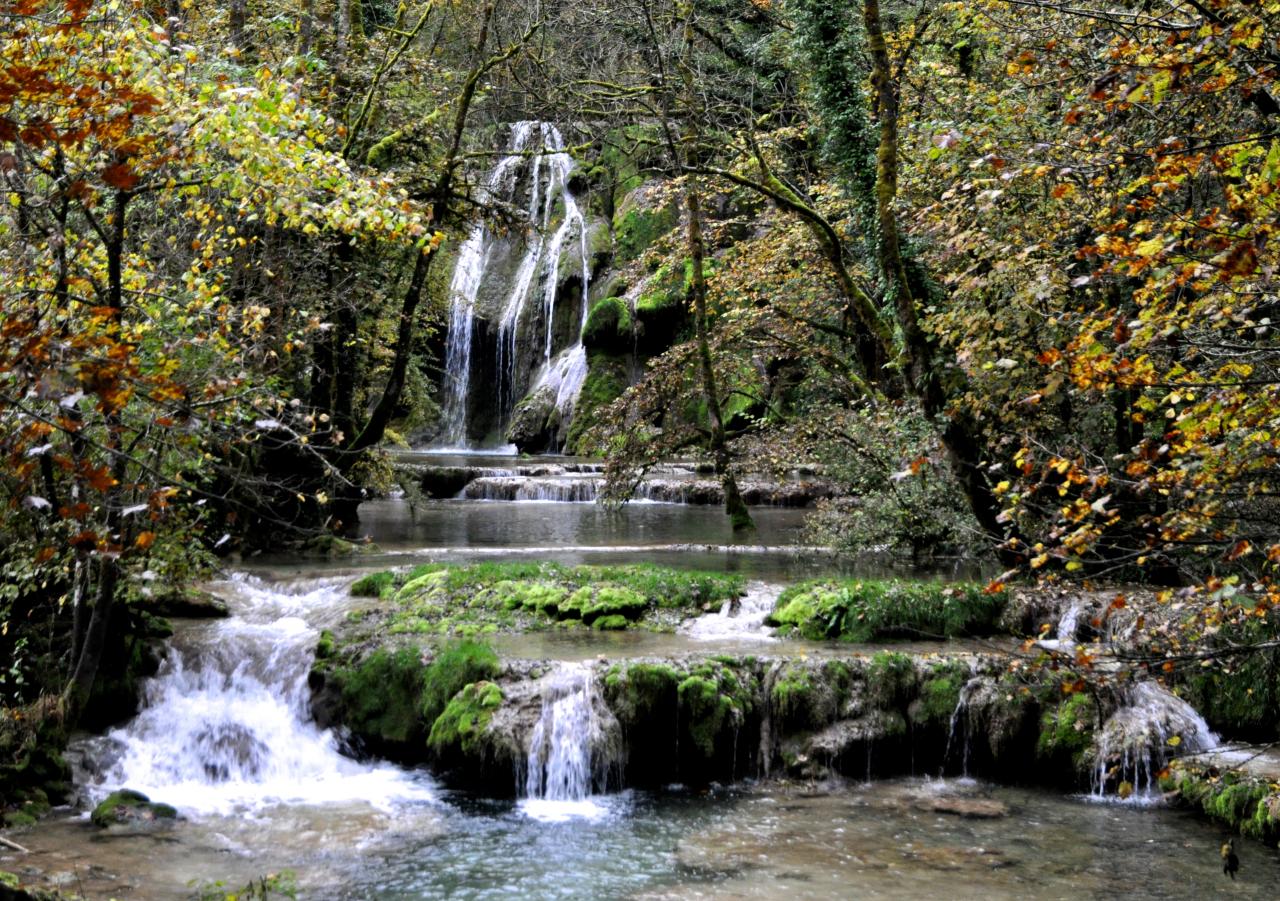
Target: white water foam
(225,726)
(743,618)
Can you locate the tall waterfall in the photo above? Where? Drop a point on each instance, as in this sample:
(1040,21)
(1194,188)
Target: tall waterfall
(225,725)
(565,759)
(537,169)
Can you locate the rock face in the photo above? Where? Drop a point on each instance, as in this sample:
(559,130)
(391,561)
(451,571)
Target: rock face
(695,721)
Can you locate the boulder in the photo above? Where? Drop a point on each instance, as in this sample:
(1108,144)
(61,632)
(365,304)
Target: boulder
(132,808)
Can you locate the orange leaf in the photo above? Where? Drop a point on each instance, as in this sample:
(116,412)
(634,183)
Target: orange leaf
(145,540)
(121,176)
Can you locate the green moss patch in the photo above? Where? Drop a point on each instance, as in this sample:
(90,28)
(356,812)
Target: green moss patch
(940,694)
(1247,805)
(469,600)
(462,724)
(1068,728)
(869,610)
(127,806)
(608,325)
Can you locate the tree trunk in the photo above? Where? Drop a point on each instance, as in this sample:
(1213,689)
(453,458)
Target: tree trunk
(962,436)
(734,506)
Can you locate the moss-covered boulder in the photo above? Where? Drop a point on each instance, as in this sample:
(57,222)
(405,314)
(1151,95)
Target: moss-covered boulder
(1067,729)
(132,808)
(644,215)
(388,698)
(461,726)
(608,326)
(608,376)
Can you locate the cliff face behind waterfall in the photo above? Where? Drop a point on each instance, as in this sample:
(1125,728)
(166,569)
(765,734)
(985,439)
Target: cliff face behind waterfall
(518,299)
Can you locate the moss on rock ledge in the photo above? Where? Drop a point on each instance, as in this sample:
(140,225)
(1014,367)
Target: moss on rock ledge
(1245,804)
(867,610)
(470,600)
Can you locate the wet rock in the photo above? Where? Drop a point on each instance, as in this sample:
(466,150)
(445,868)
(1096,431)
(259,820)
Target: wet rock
(230,749)
(533,422)
(132,808)
(190,603)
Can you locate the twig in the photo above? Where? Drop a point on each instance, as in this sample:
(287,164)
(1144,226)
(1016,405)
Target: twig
(10,843)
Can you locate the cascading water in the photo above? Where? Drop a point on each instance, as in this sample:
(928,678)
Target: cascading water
(564,761)
(538,165)
(1133,746)
(740,618)
(226,726)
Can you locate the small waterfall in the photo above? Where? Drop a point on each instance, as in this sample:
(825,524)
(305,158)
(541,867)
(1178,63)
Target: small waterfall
(1133,746)
(741,618)
(1070,621)
(537,163)
(960,723)
(225,725)
(570,747)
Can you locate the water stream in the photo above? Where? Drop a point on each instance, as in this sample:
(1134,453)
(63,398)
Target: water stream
(226,737)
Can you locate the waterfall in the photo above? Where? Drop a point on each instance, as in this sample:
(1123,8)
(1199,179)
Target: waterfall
(572,729)
(538,164)
(1070,621)
(1133,745)
(740,618)
(960,722)
(225,725)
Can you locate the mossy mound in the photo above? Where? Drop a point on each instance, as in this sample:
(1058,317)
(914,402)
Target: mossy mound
(607,379)
(461,726)
(941,687)
(868,610)
(389,698)
(805,697)
(1067,729)
(1247,805)
(471,600)
(608,325)
(636,228)
(133,807)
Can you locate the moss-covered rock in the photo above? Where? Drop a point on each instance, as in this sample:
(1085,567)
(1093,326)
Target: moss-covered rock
(1245,804)
(133,807)
(607,378)
(467,600)
(864,610)
(460,727)
(1067,728)
(608,326)
(643,217)
(939,697)
(454,667)
(892,681)
(809,695)
(612,622)
(374,585)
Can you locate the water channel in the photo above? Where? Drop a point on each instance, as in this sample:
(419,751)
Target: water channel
(226,737)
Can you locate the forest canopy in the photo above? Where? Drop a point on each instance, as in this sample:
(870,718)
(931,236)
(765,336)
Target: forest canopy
(1004,269)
